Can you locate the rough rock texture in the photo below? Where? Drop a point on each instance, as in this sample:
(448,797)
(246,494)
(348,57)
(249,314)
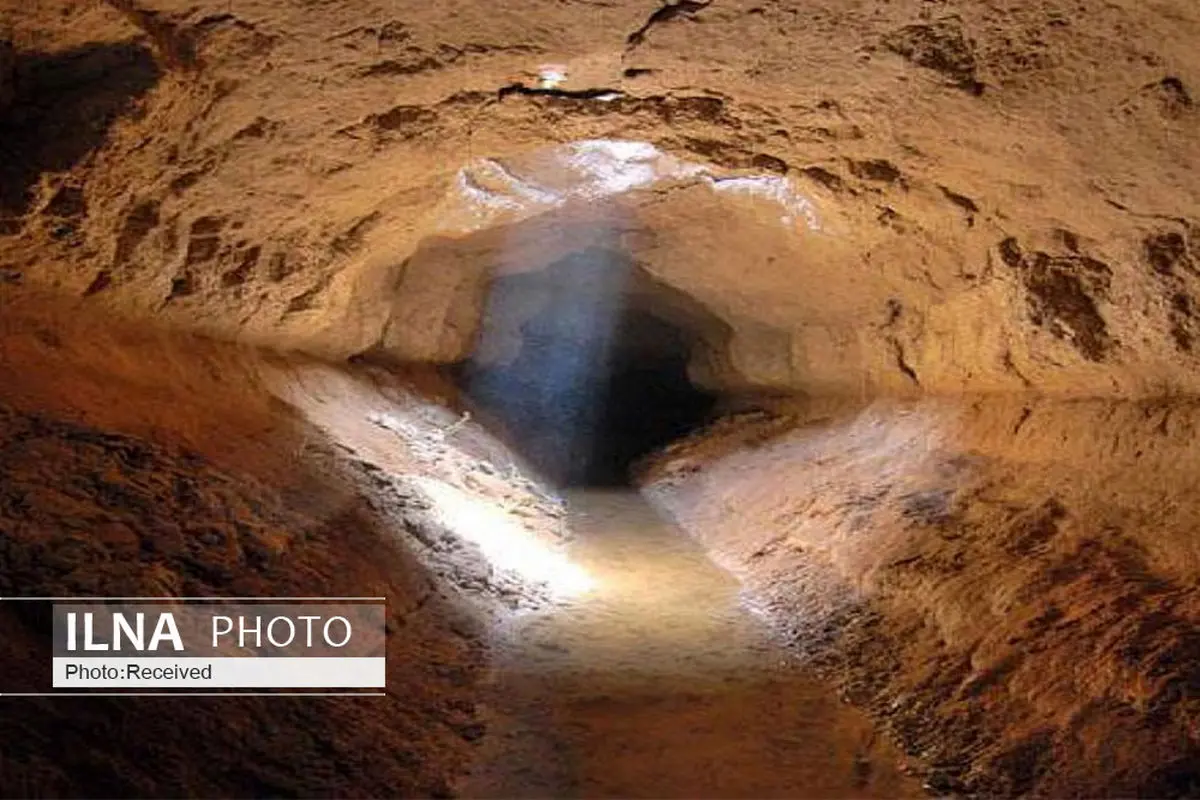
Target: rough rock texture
(1000,191)
(1010,584)
(139,464)
(858,200)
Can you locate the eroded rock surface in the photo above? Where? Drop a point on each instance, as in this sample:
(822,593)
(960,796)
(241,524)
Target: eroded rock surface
(1010,584)
(142,464)
(998,194)
(988,200)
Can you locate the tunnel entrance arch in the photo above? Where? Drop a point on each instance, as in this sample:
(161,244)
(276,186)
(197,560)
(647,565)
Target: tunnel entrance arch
(588,364)
(595,297)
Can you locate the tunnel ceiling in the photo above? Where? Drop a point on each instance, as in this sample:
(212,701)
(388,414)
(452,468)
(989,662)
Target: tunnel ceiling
(1005,191)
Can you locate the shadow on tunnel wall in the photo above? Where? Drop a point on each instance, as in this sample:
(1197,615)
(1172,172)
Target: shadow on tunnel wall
(156,473)
(62,106)
(127,517)
(584,365)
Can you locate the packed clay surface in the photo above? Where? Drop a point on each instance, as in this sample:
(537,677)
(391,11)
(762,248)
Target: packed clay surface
(662,683)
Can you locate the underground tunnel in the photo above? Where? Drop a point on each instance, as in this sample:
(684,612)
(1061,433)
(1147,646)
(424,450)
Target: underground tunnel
(783,400)
(584,364)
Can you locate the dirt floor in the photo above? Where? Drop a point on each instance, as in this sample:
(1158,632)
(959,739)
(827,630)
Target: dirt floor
(987,598)
(659,683)
(143,463)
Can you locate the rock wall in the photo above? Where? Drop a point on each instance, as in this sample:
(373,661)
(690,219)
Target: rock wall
(1009,584)
(138,463)
(999,191)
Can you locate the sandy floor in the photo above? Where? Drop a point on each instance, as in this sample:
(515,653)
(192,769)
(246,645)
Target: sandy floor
(657,682)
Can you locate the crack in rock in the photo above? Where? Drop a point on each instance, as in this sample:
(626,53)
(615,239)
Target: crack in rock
(570,94)
(902,362)
(665,13)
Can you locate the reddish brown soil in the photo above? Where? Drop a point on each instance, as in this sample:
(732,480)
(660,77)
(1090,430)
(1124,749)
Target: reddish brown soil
(118,481)
(660,683)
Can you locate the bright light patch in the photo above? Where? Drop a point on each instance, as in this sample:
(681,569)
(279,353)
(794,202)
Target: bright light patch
(611,166)
(551,76)
(505,543)
(491,191)
(795,207)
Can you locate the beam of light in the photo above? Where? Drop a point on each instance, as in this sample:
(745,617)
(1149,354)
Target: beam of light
(544,353)
(505,543)
(543,357)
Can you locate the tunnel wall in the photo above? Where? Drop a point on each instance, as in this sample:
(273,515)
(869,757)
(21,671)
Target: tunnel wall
(143,463)
(1006,200)
(1008,584)
(836,310)
(966,256)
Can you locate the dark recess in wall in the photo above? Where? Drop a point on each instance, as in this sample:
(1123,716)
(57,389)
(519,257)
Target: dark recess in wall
(601,375)
(61,109)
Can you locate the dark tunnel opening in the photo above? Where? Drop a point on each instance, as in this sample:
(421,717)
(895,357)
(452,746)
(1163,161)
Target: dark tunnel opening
(583,367)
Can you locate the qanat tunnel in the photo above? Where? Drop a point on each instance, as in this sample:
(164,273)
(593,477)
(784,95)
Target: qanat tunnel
(641,398)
